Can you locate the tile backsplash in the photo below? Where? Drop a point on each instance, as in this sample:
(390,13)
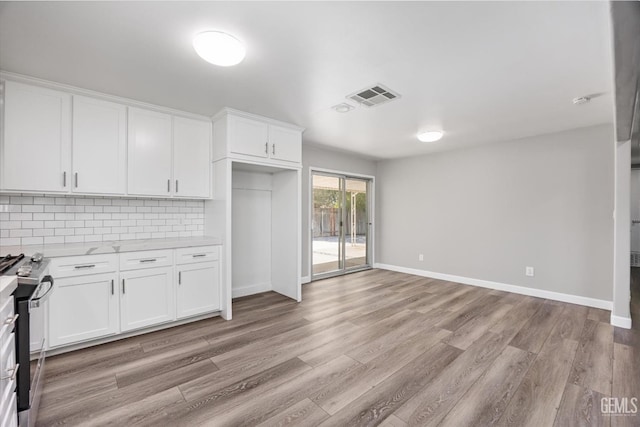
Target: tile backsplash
(29,219)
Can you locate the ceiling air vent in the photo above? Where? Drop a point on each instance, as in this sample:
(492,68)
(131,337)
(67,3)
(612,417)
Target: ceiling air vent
(375,95)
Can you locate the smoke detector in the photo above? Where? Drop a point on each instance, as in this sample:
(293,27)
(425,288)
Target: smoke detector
(581,100)
(343,108)
(374,95)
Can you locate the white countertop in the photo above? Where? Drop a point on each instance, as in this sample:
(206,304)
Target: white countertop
(7,285)
(89,248)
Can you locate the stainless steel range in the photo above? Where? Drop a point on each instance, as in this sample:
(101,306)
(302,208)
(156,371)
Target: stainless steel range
(34,286)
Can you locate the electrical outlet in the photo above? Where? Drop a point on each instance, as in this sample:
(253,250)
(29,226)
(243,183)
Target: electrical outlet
(420,257)
(528,271)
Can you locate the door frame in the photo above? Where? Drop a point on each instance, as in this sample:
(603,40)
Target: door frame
(371,211)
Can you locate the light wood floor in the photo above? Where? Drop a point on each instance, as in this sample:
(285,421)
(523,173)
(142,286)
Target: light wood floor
(370,348)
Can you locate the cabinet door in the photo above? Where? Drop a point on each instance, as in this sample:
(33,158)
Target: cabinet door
(149,166)
(37,132)
(147,297)
(191,157)
(99,145)
(198,289)
(286,144)
(248,137)
(82,308)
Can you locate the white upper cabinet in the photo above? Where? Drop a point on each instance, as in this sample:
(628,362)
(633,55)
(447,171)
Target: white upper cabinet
(99,146)
(58,142)
(248,137)
(37,137)
(149,166)
(286,144)
(191,157)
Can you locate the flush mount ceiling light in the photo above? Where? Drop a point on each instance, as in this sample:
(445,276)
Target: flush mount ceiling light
(343,108)
(430,136)
(219,48)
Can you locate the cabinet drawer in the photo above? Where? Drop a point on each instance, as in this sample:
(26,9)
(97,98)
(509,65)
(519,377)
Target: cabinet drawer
(197,254)
(8,352)
(82,265)
(146,259)
(8,406)
(8,358)
(7,318)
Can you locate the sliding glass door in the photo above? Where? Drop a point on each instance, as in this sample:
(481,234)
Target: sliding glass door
(340,224)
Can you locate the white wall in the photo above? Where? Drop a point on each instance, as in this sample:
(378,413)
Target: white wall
(621,313)
(625,20)
(326,159)
(487,212)
(635,209)
(251,224)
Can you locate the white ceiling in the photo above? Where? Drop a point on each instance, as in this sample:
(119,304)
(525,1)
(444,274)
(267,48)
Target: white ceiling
(484,72)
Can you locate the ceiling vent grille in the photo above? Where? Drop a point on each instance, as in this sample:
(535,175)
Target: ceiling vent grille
(374,95)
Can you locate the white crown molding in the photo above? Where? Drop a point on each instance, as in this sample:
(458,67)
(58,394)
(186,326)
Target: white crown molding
(231,111)
(539,293)
(20,78)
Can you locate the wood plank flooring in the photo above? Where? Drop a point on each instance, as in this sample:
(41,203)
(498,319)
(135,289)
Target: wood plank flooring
(370,348)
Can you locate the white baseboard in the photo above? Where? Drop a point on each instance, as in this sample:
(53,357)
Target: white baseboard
(251,290)
(539,293)
(306,279)
(621,322)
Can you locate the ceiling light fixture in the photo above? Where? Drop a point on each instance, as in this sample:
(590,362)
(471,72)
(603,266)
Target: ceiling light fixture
(219,48)
(430,136)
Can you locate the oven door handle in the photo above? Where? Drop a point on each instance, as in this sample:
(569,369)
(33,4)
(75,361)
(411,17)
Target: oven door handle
(35,302)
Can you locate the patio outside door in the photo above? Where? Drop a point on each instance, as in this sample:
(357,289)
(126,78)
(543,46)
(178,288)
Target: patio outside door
(340,224)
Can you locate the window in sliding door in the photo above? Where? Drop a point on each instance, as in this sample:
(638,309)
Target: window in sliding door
(340,224)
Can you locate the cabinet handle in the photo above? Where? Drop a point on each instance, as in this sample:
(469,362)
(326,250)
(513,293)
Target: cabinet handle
(80,267)
(64,178)
(14,373)
(273,149)
(112,290)
(123,290)
(11,320)
(266,147)
(176,185)
(179,277)
(148,260)
(76,178)
(198,255)
(168,186)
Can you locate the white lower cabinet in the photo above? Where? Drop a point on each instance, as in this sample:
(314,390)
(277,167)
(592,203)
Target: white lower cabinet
(198,288)
(8,366)
(83,308)
(146,297)
(98,296)
(10,413)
